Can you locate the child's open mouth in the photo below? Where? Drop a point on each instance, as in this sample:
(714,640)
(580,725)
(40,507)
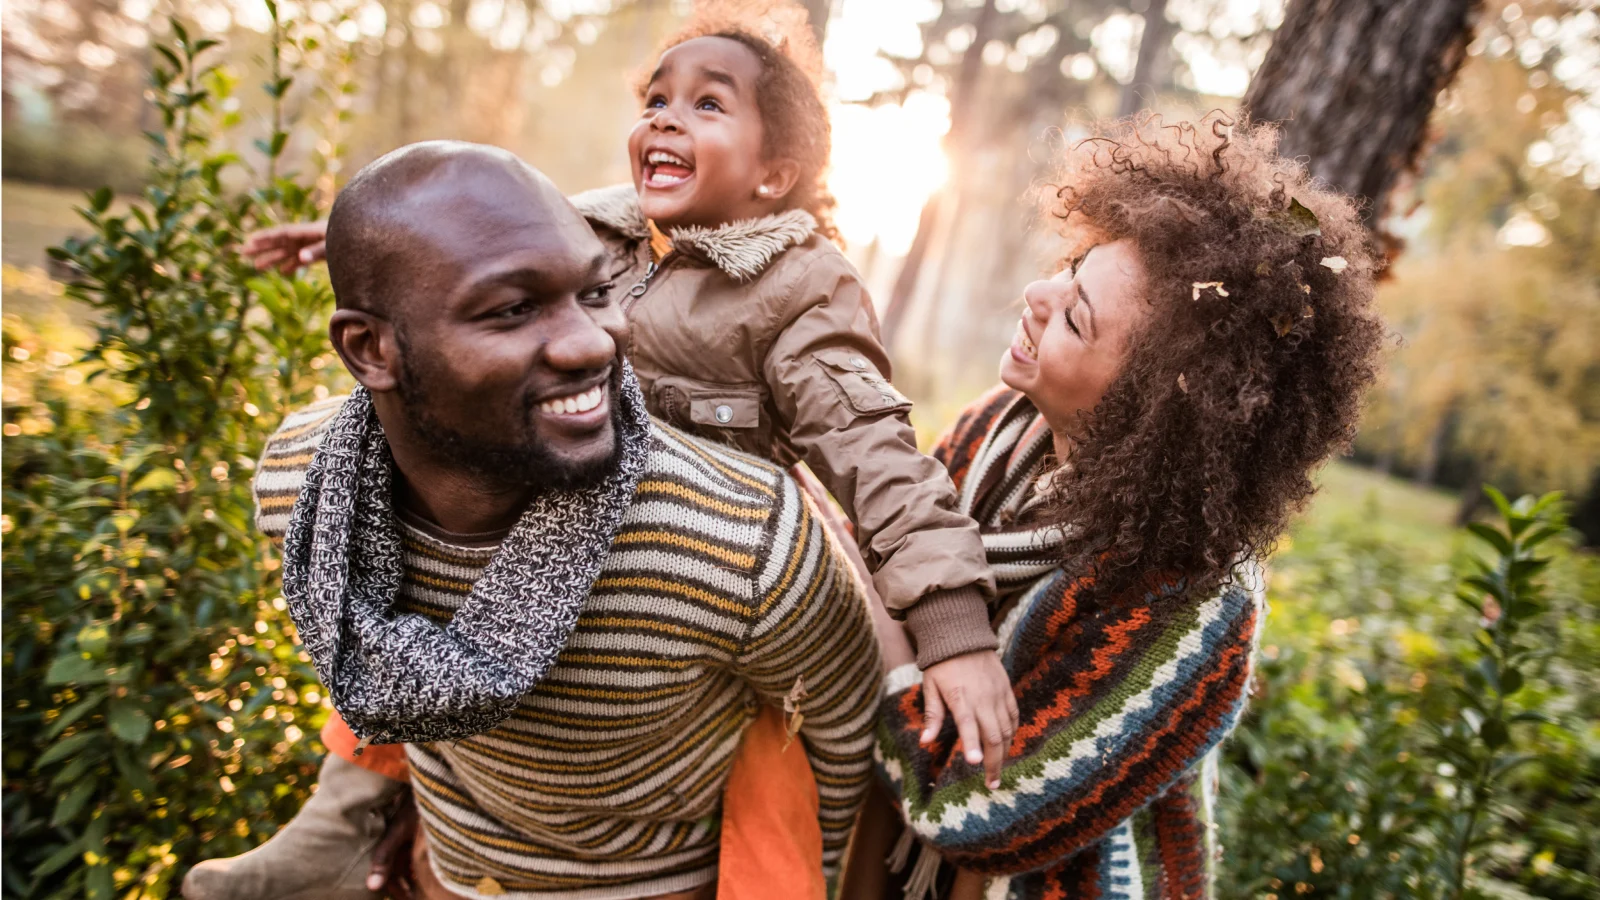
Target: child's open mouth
(665,170)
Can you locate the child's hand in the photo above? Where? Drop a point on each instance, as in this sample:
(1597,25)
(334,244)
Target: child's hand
(286,247)
(977,691)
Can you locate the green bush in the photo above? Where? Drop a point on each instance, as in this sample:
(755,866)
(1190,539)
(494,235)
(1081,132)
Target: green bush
(156,707)
(1399,748)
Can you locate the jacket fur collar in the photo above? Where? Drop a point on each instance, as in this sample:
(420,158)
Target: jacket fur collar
(741,249)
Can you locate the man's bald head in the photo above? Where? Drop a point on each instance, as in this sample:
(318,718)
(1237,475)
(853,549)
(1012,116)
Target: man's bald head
(388,225)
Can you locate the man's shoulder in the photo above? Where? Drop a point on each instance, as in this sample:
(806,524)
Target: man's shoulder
(282,469)
(721,473)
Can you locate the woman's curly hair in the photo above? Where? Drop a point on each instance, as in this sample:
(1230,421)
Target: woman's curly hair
(794,123)
(1252,366)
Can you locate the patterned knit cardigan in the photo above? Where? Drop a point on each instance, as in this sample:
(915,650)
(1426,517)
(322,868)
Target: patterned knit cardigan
(1105,791)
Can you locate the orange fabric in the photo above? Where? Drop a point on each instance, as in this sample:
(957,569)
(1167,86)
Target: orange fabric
(388,760)
(771,840)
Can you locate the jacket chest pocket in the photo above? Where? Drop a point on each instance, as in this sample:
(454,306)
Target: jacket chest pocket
(859,385)
(730,413)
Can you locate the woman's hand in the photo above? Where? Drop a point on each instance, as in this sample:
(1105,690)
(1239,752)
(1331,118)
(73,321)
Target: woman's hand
(977,691)
(287,247)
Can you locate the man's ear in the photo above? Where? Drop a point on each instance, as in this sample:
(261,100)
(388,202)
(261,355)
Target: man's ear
(368,346)
(782,175)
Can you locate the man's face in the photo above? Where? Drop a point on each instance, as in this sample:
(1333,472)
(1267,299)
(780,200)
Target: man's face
(511,345)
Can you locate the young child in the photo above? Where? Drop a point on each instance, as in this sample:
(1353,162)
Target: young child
(750,326)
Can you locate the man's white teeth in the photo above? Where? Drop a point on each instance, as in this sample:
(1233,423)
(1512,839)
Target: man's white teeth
(577,403)
(656,157)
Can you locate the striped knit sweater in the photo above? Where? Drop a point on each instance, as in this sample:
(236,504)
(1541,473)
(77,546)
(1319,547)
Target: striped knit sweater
(1106,789)
(722,592)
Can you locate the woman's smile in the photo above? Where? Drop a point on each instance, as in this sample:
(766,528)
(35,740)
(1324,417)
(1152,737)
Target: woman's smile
(1023,347)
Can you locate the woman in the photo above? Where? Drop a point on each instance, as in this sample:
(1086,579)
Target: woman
(1169,394)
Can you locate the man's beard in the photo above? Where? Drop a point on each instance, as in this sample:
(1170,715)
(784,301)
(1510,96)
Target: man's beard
(524,463)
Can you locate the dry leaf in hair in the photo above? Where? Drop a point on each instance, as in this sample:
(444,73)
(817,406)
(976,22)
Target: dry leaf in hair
(1302,222)
(1283,323)
(1336,263)
(1183,383)
(1264,269)
(1305,288)
(1307,312)
(1215,285)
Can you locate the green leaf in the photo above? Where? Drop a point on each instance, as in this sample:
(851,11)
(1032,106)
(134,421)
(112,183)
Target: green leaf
(129,723)
(1491,536)
(75,712)
(52,863)
(72,802)
(1498,499)
(162,479)
(1510,682)
(1540,536)
(101,885)
(100,200)
(1491,671)
(74,669)
(65,747)
(1494,733)
(133,774)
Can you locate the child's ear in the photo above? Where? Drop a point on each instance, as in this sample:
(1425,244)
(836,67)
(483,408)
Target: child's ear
(782,175)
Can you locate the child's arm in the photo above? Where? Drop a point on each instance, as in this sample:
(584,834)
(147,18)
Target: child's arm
(828,375)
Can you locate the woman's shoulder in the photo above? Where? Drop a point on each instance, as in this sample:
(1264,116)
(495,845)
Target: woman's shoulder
(959,445)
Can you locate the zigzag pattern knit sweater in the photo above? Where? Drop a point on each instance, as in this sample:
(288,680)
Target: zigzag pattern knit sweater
(722,592)
(1105,791)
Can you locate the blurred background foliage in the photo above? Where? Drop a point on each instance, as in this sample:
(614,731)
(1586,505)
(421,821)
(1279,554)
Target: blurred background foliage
(156,710)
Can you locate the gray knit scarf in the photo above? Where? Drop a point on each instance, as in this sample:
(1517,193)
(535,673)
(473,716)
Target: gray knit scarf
(402,677)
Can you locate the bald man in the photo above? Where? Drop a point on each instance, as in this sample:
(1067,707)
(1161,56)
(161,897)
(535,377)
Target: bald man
(567,612)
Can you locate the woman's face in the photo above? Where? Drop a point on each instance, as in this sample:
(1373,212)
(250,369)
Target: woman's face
(1075,333)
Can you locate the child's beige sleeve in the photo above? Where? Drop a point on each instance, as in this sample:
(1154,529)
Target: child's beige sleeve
(828,374)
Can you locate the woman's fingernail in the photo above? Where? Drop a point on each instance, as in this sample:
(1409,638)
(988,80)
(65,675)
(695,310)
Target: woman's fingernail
(305,256)
(994,785)
(374,882)
(974,758)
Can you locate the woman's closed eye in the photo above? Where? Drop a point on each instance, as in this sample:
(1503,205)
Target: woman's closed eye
(1071,324)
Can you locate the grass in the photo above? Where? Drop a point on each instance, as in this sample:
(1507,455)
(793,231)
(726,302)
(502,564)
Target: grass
(34,218)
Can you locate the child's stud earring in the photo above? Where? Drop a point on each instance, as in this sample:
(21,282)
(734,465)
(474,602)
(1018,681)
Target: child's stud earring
(763,190)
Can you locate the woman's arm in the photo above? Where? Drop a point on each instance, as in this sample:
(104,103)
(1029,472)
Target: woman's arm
(1116,704)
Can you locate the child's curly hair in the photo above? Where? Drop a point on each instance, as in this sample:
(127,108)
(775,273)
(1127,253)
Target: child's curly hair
(794,122)
(1252,367)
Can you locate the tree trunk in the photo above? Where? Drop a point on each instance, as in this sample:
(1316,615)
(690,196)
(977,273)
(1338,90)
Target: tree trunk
(1352,83)
(1153,47)
(961,104)
(818,11)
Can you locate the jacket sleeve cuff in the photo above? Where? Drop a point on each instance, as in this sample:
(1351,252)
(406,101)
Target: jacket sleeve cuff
(947,624)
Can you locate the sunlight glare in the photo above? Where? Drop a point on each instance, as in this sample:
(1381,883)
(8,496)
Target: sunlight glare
(887,159)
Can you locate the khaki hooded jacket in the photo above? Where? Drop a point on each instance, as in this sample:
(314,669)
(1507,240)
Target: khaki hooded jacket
(761,335)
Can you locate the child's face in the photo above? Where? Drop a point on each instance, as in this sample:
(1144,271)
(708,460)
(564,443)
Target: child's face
(696,150)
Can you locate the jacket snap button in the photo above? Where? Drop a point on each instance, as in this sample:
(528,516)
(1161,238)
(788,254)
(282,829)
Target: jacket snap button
(858,362)
(724,414)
